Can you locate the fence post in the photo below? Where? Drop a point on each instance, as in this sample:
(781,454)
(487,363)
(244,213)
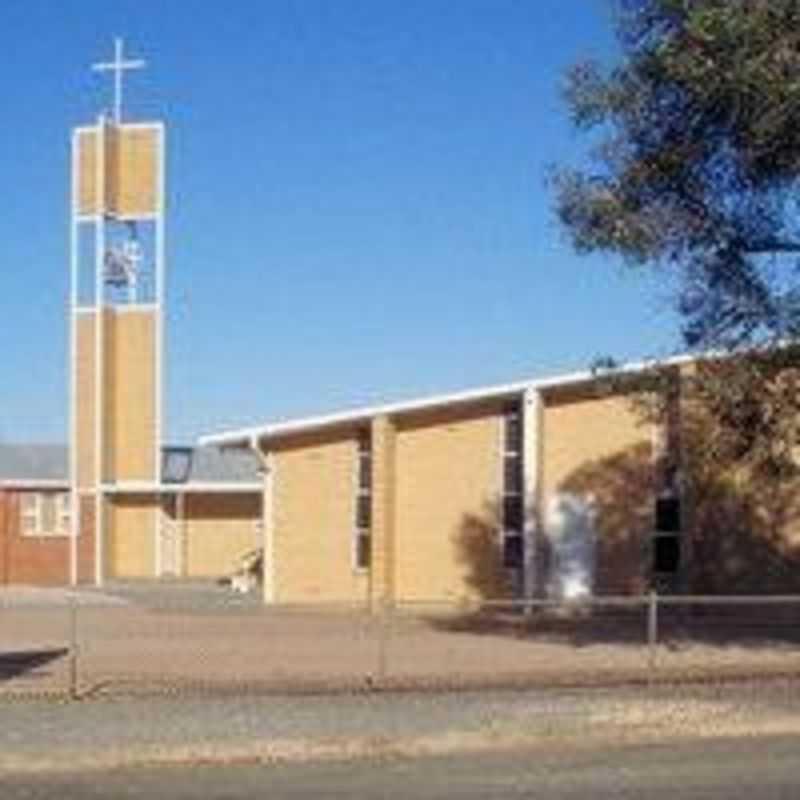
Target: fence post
(652,628)
(73,648)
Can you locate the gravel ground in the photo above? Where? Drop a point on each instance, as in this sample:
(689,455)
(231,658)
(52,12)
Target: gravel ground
(729,769)
(43,735)
(12,597)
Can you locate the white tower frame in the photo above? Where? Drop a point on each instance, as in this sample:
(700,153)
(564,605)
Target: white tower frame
(99,222)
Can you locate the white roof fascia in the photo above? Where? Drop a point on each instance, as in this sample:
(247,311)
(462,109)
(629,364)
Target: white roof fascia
(181,488)
(33,483)
(212,486)
(247,436)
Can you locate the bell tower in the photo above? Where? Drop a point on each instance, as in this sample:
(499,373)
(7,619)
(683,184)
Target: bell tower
(116,315)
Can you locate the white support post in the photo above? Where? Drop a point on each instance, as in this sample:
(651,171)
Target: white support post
(99,350)
(158,521)
(267,461)
(180,529)
(160,264)
(73,368)
(531,513)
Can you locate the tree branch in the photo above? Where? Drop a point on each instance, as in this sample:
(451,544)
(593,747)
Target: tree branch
(771,246)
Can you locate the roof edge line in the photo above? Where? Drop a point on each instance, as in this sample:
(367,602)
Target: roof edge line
(246,436)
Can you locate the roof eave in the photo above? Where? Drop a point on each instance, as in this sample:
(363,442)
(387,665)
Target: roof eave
(248,437)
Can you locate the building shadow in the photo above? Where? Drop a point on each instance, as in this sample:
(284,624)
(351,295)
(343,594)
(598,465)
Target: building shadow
(15,664)
(740,535)
(479,551)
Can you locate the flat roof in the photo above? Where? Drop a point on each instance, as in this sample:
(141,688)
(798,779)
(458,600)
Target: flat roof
(46,466)
(241,437)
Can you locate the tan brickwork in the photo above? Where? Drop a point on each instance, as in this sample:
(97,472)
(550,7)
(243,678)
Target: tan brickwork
(131,396)
(135,186)
(131,185)
(86,177)
(384,479)
(130,536)
(448,485)
(600,448)
(86,538)
(85,401)
(313,519)
(218,529)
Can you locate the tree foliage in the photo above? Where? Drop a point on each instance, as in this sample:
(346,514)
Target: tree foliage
(696,160)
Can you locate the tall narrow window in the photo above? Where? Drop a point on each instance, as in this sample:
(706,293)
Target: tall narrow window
(363,507)
(29,513)
(512,510)
(65,513)
(667,536)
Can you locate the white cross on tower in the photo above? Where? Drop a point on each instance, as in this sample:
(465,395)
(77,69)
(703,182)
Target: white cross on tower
(118,66)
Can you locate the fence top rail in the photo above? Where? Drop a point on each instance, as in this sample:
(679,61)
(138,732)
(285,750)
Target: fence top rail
(633,601)
(730,599)
(13,601)
(455,603)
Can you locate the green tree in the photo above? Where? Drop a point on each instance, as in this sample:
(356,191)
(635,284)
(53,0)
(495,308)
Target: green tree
(695,161)
(694,169)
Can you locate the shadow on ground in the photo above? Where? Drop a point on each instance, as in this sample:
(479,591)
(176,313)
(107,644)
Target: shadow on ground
(677,627)
(22,662)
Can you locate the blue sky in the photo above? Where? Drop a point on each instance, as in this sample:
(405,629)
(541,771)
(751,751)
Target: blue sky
(357,201)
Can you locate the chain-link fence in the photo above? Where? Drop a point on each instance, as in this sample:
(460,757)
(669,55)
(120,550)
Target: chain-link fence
(88,642)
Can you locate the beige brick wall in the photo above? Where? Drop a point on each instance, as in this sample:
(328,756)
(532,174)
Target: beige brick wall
(382,584)
(130,536)
(599,448)
(129,396)
(134,186)
(448,485)
(437,489)
(131,400)
(218,529)
(313,520)
(85,400)
(85,176)
(131,166)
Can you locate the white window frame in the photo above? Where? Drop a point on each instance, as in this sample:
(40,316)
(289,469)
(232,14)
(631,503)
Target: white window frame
(35,514)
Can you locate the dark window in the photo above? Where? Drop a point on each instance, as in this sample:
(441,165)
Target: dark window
(668,514)
(666,554)
(512,502)
(364,472)
(513,433)
(363,511)
(363,549)
(513,550)
(364,442)
(363,501)
(512,475)
(512,512)
(177,464)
